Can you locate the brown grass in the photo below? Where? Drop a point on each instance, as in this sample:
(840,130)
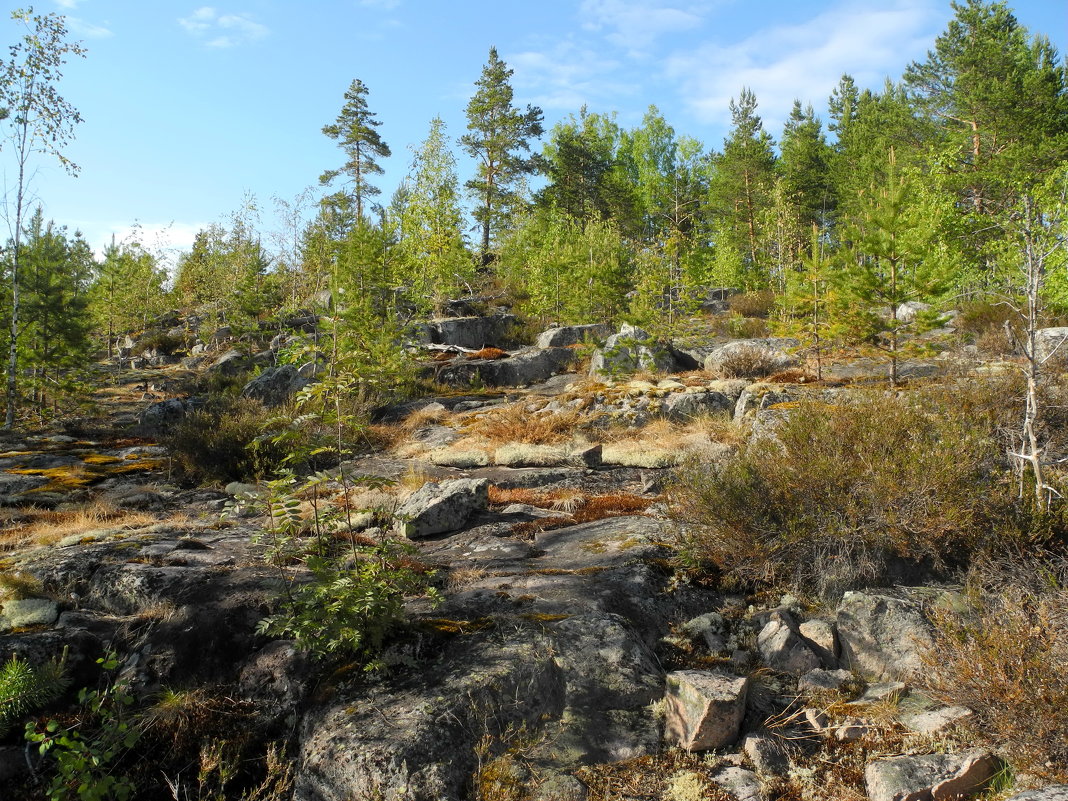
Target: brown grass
(581,509)
(793,376)
(421,418)
(513,423)
(753,304)
(487,354)
(46,526)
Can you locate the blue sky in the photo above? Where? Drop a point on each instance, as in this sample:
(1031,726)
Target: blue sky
(191,108)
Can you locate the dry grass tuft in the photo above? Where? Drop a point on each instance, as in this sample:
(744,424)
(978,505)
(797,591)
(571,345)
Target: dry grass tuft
(421,418)
(513,423)
(793,376)
(47,526)
(749,362)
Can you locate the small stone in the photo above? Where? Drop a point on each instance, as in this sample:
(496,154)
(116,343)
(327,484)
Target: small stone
(851,729)
(820,679)
(704,709)
(880,692)
(935,721)
(766,753)
(741,783)
(816,719)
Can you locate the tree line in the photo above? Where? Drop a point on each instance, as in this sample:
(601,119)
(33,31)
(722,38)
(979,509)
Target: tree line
(916,191)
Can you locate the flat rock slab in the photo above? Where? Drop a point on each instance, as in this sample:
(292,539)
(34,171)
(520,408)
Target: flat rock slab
(933,777)
(19,614)
(704,709)
(1056,792)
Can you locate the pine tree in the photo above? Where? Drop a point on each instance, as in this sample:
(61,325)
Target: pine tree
(499,135)
(893,256)
(741,189)
(355,131)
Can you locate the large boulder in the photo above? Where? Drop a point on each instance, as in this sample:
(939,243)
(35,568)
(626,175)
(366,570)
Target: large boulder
(682,406)
(520,369)
(231,363)
(275,385)
(631,350)
(751,358)
(159,418)
(474,332)
(562,336)
(932,777)
(704,709)
(1051,344)
(883,636)
(440,508)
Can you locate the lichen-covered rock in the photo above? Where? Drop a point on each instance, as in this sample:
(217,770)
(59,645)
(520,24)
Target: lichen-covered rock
(519,369)
(932,777)
(636,455)
(26,612)
(683,406)
(883,636)
(822,639)
(630,350)
(474,332)
(768,353)
(704,709)
(439,508)
(936,721)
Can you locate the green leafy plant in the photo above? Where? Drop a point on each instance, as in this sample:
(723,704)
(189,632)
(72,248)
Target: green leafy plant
(86,751)
(25,688)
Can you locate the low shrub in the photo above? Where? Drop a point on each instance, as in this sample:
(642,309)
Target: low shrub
(839,496)
(221,443)
(1003,656)
(159,341)
(749,361)
(753,304)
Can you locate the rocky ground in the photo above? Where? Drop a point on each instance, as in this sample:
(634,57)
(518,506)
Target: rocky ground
(569,657)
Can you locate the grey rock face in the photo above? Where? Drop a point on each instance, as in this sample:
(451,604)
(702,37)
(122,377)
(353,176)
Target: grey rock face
(769,351)
(275,385)
(566,335)
(231,363)
(820,679)
(908,310)
(161,417)
(883,636)
(520,369)
(438,508)
(935,721)
(823,639)
(704,709)
(930,778)
(741,783)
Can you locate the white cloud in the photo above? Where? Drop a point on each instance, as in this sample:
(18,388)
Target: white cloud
(167,241)
(217,29)
(88,29)
(68,3)
(566,76)
(803,61)
(635,25)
